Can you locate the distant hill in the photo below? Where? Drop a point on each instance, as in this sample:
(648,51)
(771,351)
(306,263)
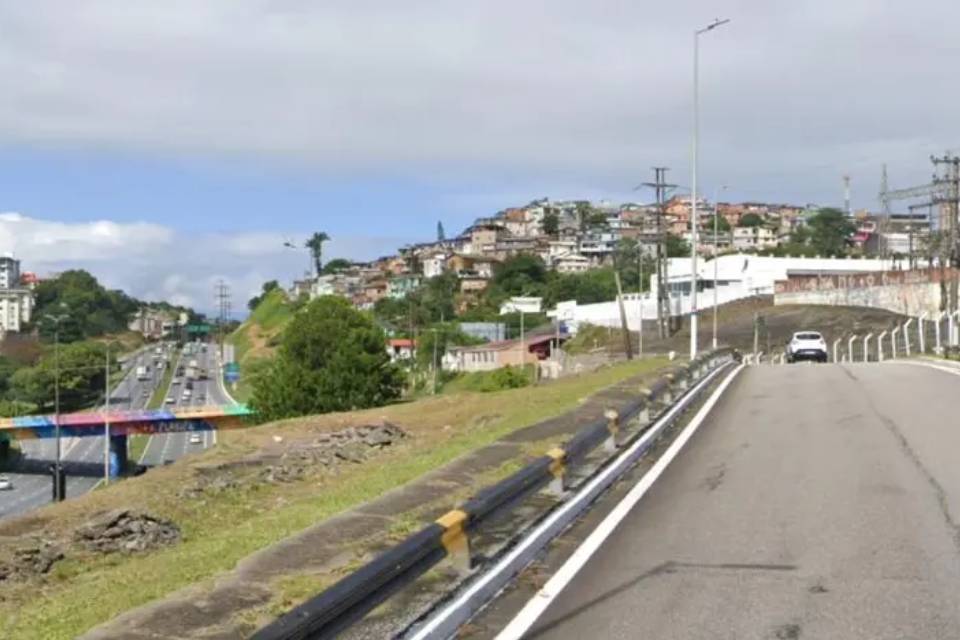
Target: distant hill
(257,336)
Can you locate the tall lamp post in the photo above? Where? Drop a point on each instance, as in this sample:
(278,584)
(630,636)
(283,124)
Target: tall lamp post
(57,469)
(716,253)
(106,414)
(693,186)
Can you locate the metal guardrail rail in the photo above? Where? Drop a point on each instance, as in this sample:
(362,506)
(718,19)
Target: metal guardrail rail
(343,604)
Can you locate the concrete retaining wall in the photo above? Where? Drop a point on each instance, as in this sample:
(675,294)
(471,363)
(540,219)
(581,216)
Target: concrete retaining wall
(907,292)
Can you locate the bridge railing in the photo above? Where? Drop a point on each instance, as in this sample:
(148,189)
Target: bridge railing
(350,599)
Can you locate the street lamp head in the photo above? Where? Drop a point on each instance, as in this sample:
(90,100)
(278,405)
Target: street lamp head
(713,25)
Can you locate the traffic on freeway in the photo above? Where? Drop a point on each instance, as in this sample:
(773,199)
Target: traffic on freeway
(188,389)
(134,391)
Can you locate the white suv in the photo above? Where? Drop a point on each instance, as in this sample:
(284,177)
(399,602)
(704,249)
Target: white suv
(807,345)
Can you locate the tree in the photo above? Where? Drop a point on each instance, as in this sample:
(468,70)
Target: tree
(81,371)
(335,266)
(93,310)
(331,358)
(551,223)
(750,220)
(267,287)
(523,274)
(722,225)
(584,210)
(677,247)
(315,244)
(829,231)
(597,219)
(441,236)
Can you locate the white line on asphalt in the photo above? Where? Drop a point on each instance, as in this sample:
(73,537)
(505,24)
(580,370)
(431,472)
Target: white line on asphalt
(522,622)
(486,585)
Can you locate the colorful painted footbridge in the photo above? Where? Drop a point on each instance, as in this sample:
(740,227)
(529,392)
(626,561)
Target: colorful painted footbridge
(124,423)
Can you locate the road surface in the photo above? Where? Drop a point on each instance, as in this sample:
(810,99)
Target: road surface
(816,501)
(168,447)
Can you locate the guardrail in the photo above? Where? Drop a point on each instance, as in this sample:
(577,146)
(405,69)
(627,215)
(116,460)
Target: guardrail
(350,599)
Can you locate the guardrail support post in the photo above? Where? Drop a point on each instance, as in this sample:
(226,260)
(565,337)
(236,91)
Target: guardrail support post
(893,342)
(613,427)
(850,348)
(880,346)
(455,539)
(558,469)
(836,343)
(866,347)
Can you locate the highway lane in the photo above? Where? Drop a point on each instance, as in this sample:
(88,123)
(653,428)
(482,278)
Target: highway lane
(817,501)
(169,447)
(32,491)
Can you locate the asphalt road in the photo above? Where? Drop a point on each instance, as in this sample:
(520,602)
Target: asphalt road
(817,501)
(169,447)
(31,491)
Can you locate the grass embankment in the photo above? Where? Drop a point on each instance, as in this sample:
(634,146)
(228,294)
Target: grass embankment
(136,445)
(256,338)
(160,393)
(222,528)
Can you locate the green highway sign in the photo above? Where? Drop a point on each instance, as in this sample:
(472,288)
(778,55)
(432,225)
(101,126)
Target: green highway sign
(198,328)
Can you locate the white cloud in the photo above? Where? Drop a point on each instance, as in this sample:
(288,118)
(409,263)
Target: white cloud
(597,89)
(153,262)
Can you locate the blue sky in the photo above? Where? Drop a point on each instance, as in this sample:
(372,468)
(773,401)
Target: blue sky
(166,145)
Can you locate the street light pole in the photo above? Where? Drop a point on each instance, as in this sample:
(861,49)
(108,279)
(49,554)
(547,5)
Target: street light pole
(57,485)
(693,183)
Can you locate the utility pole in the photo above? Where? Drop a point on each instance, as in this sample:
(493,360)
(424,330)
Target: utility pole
(223,305)
(949,200)
(846,196)
(663,295)
(106,416)
(640,299)
(628,349)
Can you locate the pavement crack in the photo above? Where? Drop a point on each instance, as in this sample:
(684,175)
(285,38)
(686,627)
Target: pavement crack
(939,493)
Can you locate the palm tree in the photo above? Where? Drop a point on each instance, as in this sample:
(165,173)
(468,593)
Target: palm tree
(315,244)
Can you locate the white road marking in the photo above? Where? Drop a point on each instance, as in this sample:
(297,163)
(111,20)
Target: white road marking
(532,611)
(929,365)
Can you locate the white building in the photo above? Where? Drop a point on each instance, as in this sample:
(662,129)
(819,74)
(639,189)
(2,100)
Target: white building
(754,238)
(434,265)
(9,272)
(16,307)
(571,263)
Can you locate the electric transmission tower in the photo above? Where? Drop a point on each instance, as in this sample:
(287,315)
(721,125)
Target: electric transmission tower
(223,311)
(661,187)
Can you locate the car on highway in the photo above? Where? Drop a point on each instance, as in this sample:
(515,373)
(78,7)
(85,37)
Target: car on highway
(807,345)
(170,400)
(175,381)
(195,438)
(5,483)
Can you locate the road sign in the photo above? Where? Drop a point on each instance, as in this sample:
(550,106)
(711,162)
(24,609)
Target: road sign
(232,367)
(198,328)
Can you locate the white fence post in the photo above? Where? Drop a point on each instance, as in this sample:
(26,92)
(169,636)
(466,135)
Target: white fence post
(906,335)
(835,343)
(951,330)
(880,346)
(850,348)
(921,339)
(936,331)
(893,342)
(866,347)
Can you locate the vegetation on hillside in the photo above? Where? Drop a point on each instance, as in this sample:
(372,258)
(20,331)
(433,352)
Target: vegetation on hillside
(82,372)
(331,358)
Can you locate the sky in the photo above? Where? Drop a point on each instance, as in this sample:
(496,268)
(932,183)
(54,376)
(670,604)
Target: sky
(166,145)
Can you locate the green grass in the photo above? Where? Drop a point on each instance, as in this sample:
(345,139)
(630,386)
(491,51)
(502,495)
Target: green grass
(224,528)
(136,445)
(160,393)
(269,318)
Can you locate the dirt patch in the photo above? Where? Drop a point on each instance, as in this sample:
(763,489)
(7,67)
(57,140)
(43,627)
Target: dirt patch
(31,560)
(128,531)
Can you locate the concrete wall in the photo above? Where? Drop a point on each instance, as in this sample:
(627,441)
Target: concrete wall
(907,292)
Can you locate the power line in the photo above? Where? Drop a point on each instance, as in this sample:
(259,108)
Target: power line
(661,187)
(223,306)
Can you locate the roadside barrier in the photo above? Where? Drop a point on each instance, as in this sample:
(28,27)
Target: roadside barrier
(343,604)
